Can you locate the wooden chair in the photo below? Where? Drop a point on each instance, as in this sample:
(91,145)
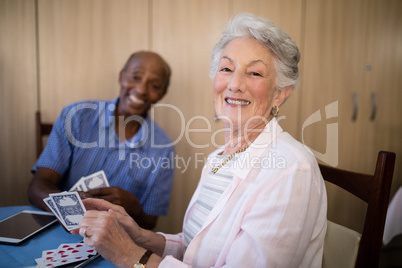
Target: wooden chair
(373,189)
(42,130)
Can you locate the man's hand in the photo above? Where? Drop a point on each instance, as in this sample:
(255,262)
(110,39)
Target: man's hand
(125,199)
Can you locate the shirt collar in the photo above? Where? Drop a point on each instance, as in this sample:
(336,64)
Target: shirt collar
(137,139)
(265,140)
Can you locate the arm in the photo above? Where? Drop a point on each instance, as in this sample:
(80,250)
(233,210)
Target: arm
(285,225)
(43,183)
(51,165)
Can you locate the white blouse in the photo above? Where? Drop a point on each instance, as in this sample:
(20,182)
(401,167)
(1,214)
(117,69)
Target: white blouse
(272,215)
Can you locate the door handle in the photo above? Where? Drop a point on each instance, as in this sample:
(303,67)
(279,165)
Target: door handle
(355,106)
(374,106)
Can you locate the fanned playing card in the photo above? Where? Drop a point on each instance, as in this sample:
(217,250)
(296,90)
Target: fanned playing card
(93,181)
(49,202)
(78,186)
(68,208)
(96,180)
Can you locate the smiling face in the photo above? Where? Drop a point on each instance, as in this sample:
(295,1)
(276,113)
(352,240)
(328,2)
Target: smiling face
(244,85)
(143,82)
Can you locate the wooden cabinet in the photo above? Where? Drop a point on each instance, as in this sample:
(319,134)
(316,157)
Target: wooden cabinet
(18,98)
(83,44)
(352,59)
(383,84)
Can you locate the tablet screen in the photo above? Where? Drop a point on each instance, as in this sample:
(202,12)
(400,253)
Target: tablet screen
(19,227)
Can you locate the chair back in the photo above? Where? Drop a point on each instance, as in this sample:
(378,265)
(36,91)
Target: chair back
(375,191)
(42,130)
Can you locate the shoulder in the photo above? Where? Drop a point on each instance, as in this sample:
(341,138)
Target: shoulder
(289,161)
(159,135)
(85,109)
(293,150)
(95,105)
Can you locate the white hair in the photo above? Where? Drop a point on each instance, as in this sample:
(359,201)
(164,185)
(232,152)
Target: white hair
(286,53)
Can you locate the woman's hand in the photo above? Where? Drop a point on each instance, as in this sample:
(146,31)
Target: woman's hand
(101,219)
(125,220)
(103,231)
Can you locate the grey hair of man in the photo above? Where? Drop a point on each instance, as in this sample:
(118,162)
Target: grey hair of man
(285,51)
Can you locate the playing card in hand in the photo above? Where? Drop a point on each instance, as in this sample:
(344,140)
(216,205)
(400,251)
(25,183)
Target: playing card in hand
(49,202)
(93,181)
(96,180)
(78,186)
(68,207)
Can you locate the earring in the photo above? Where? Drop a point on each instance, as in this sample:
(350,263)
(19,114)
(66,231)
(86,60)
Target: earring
(275,111)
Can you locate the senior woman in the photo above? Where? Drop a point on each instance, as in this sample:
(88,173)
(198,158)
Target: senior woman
(261,200)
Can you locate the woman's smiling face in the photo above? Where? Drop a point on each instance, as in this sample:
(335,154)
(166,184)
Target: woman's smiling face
(244,85)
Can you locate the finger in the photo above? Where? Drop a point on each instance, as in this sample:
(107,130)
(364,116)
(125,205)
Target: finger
(92,218)
(101,191)
(84,232)
(119,214)
(84,195)
(75,231)
(111,194)
(93,214)
(102,205)
(88,241)
(96,204)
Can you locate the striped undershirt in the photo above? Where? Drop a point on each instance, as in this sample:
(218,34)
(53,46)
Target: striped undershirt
(211,191)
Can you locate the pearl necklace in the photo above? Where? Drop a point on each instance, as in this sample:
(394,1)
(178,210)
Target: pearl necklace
(215,169)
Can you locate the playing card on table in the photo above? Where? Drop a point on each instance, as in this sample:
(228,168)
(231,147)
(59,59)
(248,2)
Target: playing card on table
(73,250)
(65,254)
(70,208)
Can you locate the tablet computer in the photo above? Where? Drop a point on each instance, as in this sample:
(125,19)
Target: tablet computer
(19,227)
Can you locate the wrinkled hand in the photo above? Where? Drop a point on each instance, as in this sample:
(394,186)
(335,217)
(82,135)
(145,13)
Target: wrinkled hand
(105,234)
(125,220)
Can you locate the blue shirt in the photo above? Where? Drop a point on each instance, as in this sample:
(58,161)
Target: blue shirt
(83,141)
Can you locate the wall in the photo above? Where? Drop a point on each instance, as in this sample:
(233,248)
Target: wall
(18,98)
(53,53)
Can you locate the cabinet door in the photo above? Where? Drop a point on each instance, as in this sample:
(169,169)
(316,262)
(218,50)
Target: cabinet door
(333,70)
(332,88)
(353,56)
(383,84)
(18,99)
(83,45)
